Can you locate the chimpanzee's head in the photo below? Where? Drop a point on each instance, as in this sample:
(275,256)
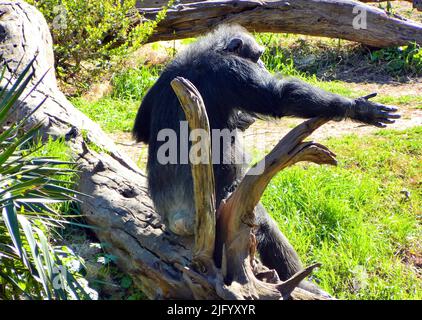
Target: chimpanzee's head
(245,46)
(234,39)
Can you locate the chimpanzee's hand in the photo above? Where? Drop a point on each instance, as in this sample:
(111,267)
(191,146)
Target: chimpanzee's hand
(372,113)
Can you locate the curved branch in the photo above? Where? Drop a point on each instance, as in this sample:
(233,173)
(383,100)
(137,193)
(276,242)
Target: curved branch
(202,173)
(236,217)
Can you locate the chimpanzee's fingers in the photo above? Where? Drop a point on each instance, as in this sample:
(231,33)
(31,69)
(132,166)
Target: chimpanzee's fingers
(379,125)
(388,109)
(386,120)
(369,96)
(393,115)
(386,115)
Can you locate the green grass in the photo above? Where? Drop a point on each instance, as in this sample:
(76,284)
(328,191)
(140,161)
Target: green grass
(132,84)
(401,100)
(400,60)
(111,114)
(59,150)
(53,148)
(355,218)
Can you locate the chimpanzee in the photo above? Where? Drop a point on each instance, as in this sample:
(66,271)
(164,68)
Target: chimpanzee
(236,87)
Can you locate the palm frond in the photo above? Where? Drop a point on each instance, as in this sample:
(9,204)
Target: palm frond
(30,187)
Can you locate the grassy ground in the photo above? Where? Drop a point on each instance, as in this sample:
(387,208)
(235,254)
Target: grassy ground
(361,219)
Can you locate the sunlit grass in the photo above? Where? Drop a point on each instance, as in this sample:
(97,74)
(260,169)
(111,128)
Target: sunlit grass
(112,114)
(359,219)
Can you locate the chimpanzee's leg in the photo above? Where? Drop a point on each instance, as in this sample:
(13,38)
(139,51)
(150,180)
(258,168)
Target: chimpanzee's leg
(274,249)
(276,252)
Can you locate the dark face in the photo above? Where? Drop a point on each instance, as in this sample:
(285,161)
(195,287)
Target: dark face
(246,47)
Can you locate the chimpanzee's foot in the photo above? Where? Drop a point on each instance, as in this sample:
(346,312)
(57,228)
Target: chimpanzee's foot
(312,287)
(181,224)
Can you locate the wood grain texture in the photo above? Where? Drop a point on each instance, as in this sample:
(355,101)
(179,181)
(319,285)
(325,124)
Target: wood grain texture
(326,18)
(202,173)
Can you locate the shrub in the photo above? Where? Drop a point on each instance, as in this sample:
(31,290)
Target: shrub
(90,35)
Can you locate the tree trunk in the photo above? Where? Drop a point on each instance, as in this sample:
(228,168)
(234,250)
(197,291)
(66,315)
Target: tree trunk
(163,265)
(160,3)
(326,18)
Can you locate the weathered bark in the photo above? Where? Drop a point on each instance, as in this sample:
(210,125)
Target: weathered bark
(236,216)
(119,204)
(160,3)
(202,173)
(160,263)
(327,18)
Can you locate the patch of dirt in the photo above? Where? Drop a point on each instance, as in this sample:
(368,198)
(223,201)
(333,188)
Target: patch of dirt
(395,89)
(98,91)
(405,10)
(346,61)
(414,259)
(335,59)
(138,152)
(156,53)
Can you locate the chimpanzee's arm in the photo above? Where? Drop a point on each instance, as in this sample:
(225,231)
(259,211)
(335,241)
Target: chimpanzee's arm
(254,89)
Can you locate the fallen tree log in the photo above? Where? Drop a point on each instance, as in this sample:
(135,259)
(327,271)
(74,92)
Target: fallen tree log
(162,264)
(344,19)
(160,3)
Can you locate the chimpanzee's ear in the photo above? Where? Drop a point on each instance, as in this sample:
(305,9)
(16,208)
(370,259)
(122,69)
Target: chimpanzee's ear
(234,45)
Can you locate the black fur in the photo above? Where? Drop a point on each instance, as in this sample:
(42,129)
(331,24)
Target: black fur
(225,67)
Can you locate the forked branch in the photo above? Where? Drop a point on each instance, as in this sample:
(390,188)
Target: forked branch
(236,217)
(288,151)
(241,276)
